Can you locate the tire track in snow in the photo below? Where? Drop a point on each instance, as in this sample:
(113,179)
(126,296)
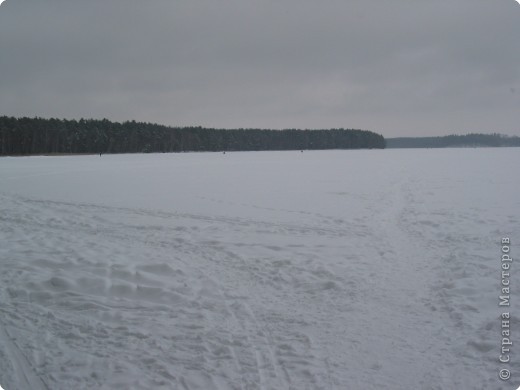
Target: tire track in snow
(292,359)
(26,377)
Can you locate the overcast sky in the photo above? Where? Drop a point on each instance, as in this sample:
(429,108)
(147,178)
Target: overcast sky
(397,67)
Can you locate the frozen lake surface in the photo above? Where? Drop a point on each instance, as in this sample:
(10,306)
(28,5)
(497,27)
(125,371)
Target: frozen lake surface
(259,270)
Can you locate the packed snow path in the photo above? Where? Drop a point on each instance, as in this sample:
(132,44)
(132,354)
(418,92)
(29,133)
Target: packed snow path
(271,270)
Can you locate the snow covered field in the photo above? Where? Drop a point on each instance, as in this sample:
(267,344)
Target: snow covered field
(355,270)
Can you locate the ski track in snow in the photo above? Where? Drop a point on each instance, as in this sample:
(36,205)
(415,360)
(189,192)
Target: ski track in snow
(385,279)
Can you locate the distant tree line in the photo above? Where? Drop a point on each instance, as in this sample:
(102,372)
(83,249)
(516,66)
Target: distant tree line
(25,136)
(468,140)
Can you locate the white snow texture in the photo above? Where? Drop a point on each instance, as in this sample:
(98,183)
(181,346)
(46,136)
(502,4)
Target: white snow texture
(375,269)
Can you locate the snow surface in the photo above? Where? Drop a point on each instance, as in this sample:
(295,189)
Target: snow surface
(259,270)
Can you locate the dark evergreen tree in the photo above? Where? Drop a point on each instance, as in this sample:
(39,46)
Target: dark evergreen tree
(23,136)
(468,140)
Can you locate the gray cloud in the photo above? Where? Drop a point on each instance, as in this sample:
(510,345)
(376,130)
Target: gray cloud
(396,67)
